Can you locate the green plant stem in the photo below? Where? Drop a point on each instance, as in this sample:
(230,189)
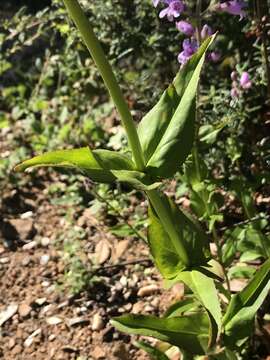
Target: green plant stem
(162,212)
(78,16)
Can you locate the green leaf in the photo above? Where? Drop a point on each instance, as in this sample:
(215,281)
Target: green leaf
(162,249)
(181,307)
(187,332)
(167,132)
(154,353)
(99,165)
(205,291)
(239,318)
(154,124)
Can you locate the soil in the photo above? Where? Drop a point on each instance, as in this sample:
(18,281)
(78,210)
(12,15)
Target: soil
(47,321)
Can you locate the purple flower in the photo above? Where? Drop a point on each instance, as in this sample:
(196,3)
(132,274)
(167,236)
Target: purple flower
(173,10)
(234,93)
(189,48)
(206,31)
(185,27)
(245,81)
(234,7)
(214,56)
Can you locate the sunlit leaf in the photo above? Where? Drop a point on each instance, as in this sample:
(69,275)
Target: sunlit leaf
(187,332)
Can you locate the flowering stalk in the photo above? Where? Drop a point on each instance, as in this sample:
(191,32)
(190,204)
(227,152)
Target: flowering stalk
(76,13)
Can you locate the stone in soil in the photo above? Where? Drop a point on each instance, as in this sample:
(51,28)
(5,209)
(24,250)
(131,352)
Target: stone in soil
(97,322)
(20,229)
(24,310)
(10,311)
(148,290)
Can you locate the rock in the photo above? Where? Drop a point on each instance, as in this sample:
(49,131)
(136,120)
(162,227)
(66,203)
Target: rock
(27,215)
(155,302)
(120,249)
(4,260)
(53,320)
(51,337)
(45,241)
(44,259)
(123,280)
(178,291)
(97,322)
(29,246)
(40,301)
(77,321)
(26,261)
(24,228)
(102,251)
(98,353)
(237,285)
(138,307)
(24,310)
(119,351)
(11,343)
(29,341)
(148,290)
(8,313)
(69,349)
(17,350)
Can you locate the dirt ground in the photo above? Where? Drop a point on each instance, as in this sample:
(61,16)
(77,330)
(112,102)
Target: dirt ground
(39,319)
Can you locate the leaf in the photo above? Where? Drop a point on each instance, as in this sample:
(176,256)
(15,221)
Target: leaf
(187,332)
(154,124)
(241,311)
(190,235)
(151,350)
(99,165)
(205,291)
(167,137)
(181,307)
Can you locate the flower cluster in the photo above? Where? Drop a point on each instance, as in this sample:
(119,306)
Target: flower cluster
(240,85)
(173,9)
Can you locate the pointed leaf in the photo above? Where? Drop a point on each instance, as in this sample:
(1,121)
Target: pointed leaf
(205,291)
(241,311)
(190,235)
(99,165)
(175,140)
(187,332)
(154,124)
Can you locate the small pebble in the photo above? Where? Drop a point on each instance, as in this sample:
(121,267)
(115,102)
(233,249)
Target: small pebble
(27,215)
(4,260)
(97,322)
(44,259)
(24,310)
(148,290)
(54,320)
(45,241)
(29,246)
